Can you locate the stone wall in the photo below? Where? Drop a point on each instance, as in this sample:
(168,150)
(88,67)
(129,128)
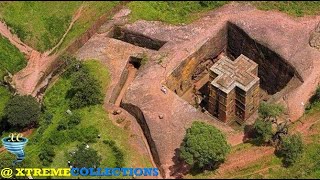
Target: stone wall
(138,114)
(179,80)
(274,72)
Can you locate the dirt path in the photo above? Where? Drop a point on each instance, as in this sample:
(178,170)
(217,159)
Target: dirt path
(5,31)
(255,172)
(304,125)
(27,79)
(243,158)
(131,74)
(74,19)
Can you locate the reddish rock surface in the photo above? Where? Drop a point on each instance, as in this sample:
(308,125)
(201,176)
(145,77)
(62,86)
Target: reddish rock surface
(286,36)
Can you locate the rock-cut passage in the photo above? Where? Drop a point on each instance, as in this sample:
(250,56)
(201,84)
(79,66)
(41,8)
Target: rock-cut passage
(136,39)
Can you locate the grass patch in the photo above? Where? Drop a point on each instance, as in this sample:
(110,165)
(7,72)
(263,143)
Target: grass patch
(4,96)
(92,116)
(295,8)
(42,24)
(11,59)
(173,12)
(91,12)
(39,24)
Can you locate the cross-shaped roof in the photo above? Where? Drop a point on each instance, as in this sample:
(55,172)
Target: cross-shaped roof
(240,73)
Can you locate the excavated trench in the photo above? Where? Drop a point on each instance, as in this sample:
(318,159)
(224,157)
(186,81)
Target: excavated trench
(135,38)
(274,71)
(138,114)
(126,78)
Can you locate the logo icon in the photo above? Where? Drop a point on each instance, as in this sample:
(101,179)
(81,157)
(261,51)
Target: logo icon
(6,173)
(15,144)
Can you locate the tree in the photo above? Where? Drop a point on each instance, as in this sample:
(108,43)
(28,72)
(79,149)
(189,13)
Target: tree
(204,146)
(263,127)
(85,157)
(291,148)
(21,111)
(270,111)
(86,90)
(46,155)
(263,130)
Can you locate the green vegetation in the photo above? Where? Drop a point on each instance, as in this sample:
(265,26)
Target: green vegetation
(174,12)
(85,89)
(270,111)
(263,131)
(204,146)
(22,111)
(295,8)
(291,149)
(263,127)
(46,155)
(39,24)
(94,121)
(85,157)
(4,96)
(42,24)
(117,152)
(314,102)
(11,59)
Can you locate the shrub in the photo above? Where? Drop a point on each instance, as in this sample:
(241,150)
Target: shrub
(88,134)
(116,152)
(291,149)
(73,120)
(47,117)
(63,125)
(46,155)
(204,146)
(267,111)
(57,138)
(262,130)
(85,157)
(85,90)
(22,111)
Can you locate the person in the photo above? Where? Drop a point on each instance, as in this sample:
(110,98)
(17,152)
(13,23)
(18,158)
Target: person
(69,163)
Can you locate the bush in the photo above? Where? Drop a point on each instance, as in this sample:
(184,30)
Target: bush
(291,149)
(47,117)
(116,152)
(69,122)
(204,146)
(63,125)
(85,157)
(22,111)
(85,90)
(88,134)
(46,155)
(58,138)
(262,130)
(73,120)
(267,111)
(72,65)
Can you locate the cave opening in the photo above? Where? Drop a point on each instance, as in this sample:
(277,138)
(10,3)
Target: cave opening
(135,61)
